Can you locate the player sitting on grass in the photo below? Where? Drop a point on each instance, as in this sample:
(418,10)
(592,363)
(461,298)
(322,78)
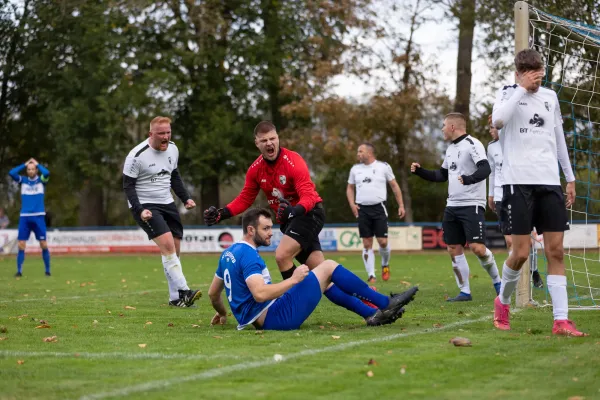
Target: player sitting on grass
(254,300)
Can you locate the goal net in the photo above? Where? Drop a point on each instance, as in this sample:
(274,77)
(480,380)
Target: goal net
(571,52)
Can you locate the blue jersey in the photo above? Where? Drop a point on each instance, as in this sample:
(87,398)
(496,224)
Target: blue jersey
(32,190)
(237,264)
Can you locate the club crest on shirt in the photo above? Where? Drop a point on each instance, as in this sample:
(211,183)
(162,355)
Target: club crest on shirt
(169,160)
(282,179)
(547,106)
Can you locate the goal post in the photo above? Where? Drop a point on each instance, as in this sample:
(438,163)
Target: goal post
(523,297)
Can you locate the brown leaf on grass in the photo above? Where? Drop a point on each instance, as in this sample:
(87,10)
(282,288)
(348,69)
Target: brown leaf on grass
(576,398)
(148,323)
(321,327)
(195,326)
(460,342)
(50,339)
(370,374)
(123,280)
(170,325)
(108,312)
(372,362)
(43,326)
(121,315)
(142,345)
(403,370)
(575,379)
(3,329)
(405,283)
(258,332)
(129,308)
(43,322)
(438,325)
(3,338)
(68,282)
(20,362)
(446,297)
(218,337)
(389,351)
(83,284)
(334,337)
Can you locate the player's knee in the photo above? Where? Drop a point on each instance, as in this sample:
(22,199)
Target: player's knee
(555,254)
(43,244)
(478,249)
(508,240)
(22,244)
(454,250)
(282,258)
(382,243)
(520,256)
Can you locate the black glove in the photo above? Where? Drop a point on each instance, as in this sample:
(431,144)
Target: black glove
(213,215)
(286,211)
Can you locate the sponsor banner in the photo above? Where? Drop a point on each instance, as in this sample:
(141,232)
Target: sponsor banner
(327,237)
(581,236)
(121,241)
(399,238)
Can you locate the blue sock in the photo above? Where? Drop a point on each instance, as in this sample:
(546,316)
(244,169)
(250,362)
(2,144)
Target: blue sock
(342,299)
(46,257)
(20,259)
(353,285)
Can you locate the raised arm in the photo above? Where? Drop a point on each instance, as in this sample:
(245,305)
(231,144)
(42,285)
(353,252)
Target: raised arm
(14,173)
(505,105)
(440,175)
(246,197)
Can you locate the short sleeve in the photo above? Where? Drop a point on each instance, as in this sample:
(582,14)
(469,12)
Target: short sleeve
(351,177)
(251,268)
(389,174)
(132,166)
(477,151)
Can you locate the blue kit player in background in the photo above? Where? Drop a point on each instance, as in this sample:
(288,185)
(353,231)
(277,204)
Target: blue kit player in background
(254,300)
(32,217)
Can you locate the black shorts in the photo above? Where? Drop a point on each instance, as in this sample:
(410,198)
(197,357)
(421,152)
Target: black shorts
(305,230)
(464,224)
(373,221)
(165,218)
(539,206)
(502,220)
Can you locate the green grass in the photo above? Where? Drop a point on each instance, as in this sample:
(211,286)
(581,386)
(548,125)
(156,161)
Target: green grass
(181,361)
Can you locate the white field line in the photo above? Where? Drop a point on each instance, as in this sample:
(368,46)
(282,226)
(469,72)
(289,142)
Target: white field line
(116,355)
(216,372)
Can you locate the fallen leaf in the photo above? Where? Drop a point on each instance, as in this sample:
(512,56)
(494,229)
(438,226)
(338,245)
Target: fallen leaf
(195,326)
(258,332)
(129,308)
(460,342)
(142,345)
(3,329)
(108,311)
(50,339)
(446,297)
(372,362)
(389,351)
(170,325)
(576,398)
(148,323)
(82,284)
(405,283)
(370,374)
(123,280)
(43,321)
(575,379)
(20,362)
(218,337)
(437,325)
(76,354)
(43,326)
(68,282)
(3,338)
(321,327)
(403,370)
(95,322)
(334,337)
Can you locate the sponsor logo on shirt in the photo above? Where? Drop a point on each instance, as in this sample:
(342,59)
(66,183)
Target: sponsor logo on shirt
(367,180)
(453,166)
(536,121)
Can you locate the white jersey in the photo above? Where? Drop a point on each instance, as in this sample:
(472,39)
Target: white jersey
(152,169)
(532,137)
(494,156)
(462,157)
(371,182)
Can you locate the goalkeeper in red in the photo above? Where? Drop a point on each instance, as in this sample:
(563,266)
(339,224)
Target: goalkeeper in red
(283,176)
(533,143)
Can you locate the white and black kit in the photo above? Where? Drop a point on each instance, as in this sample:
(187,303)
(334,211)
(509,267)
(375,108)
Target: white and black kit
(464,219)
(533,143)
(371,194)
(148,176)
(495,158)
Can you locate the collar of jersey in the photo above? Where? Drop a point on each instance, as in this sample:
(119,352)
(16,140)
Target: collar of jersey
(458,139)
(276,158)
(244,242)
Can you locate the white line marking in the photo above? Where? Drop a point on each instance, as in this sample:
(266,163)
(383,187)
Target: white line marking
(212,373)
(118,355)
(83,296)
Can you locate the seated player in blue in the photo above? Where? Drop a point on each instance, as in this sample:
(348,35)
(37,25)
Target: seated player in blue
(32,217)
(254,300)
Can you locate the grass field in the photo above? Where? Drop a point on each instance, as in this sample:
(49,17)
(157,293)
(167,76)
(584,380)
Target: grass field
(106,350)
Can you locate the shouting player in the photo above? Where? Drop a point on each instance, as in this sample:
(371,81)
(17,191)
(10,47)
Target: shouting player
(370,178)
(32,217)
(254,300)
(283,176)
(533,142)
(464,216)
(149,173)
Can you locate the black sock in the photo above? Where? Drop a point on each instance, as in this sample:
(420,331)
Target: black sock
(288,274)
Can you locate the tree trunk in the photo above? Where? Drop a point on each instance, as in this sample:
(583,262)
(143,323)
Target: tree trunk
(466,27)
(209,193)
(91,205)
(274,72)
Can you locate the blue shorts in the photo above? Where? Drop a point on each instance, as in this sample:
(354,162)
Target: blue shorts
(295,306)
(36,223)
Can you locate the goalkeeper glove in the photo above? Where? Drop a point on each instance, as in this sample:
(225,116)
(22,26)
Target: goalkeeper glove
(213,215)
(286,211)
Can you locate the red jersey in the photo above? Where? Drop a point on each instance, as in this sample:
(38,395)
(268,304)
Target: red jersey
(286,177)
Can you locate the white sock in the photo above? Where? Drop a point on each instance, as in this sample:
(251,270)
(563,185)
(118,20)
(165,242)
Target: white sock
(489,264)
(369,260)
(385,255)
(174,274)
(557,286)
(461,273)
(509,281)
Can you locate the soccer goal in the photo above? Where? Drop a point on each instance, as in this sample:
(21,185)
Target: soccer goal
(571,52)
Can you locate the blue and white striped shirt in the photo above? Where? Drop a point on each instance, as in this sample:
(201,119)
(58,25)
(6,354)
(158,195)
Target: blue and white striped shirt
(32,190)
